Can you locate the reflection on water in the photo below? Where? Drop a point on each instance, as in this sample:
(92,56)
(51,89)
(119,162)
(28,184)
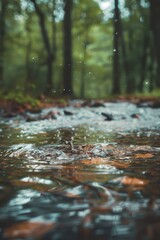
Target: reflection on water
(79,183)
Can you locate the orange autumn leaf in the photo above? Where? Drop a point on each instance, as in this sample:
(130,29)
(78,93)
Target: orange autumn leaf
(143,155)
(71,195)
(133,181)
(94,161)
(97,161)
(130,181)
(120,164)
(27,229)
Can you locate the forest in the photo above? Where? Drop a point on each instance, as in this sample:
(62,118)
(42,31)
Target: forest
(80,48)
(80,119)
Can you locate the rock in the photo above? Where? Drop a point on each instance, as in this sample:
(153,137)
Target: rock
(108,116)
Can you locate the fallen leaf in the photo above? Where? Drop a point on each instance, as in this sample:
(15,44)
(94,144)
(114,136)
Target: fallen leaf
(27,229)
(120,164)
(143,155)
(130,181)
(94,161)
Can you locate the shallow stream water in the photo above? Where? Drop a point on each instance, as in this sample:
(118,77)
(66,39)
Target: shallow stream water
(81,175)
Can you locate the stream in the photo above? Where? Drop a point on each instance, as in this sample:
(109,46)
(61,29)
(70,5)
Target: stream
(81,173)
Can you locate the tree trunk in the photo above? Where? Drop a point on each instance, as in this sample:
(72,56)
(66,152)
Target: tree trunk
(116,45)
(143,62)
(83,71)
(28,53)
(47,45)
(28,67)
(67,27)
(2,38)
(155,25)
(126,64)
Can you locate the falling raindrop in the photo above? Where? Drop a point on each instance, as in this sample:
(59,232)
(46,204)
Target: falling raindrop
(146,82)
(114,50)
(141,19)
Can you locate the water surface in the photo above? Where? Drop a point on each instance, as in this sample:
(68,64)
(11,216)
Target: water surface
(80,176)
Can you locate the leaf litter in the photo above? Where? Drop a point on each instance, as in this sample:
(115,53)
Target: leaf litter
(78,174)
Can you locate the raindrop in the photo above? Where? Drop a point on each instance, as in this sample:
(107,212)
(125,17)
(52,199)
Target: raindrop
(138,134)
(89,73)
(114,50)
(33,58)
(141,19)
(146,82)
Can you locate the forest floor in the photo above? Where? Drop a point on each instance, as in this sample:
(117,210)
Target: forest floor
(80,169)
(12,107)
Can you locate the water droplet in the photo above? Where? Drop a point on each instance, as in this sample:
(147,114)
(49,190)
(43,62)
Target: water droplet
(146,82)
(141,19)
(114,50)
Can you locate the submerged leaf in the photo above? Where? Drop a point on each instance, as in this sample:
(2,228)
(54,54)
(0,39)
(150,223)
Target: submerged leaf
(144,155)
(130,181)
(27,229)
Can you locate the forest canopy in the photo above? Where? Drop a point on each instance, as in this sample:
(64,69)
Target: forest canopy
(81,48)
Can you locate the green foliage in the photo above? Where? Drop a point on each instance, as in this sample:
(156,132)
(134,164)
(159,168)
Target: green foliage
(19,97)
(25,58)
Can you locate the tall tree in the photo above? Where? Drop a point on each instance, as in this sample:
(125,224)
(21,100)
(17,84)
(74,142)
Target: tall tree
(67,51)
(28,51)
(116,50)
(3,9)
(47,44)
(155,25)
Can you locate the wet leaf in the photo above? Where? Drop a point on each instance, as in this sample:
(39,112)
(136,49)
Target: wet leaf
(131,181)
(143,155)
(94,161)
(122,165)
(27,230)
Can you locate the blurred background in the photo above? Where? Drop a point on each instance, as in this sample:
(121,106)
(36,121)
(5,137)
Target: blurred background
(81,48)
